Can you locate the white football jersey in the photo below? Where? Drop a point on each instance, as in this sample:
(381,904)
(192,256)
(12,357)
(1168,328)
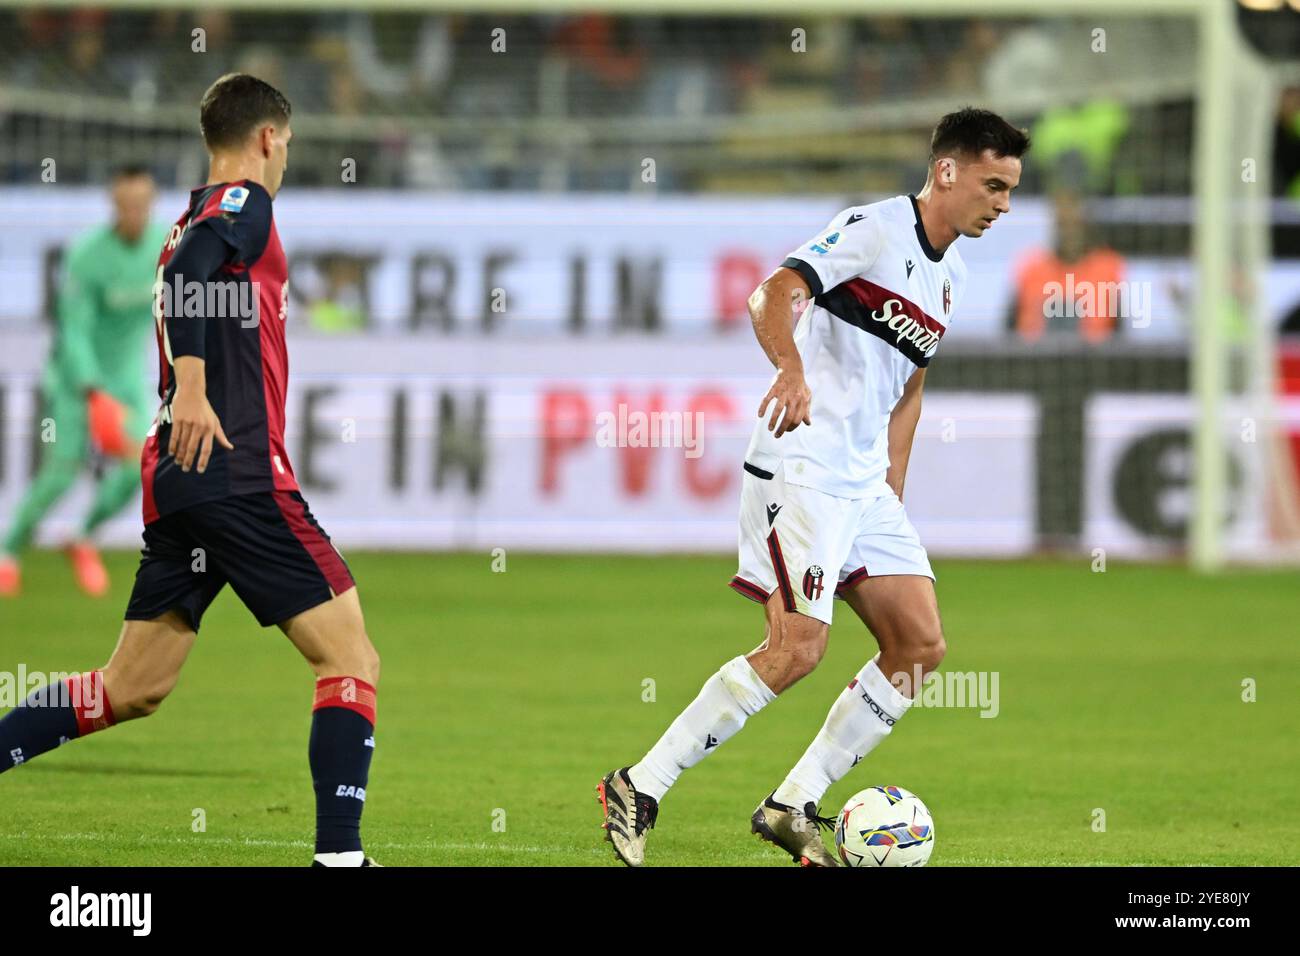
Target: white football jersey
(882,300)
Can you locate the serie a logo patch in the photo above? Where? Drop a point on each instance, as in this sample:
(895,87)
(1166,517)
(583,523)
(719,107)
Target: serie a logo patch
(233,199)
(812,583)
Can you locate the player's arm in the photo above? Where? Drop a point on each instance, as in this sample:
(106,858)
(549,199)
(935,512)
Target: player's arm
(199,256)
(772,308)
(78,311)
(847,247)
(78,306)
(902,429)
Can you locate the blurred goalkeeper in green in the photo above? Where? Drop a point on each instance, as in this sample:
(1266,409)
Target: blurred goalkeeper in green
(97,396)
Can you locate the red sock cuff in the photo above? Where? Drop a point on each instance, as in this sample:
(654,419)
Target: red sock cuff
(89,702)
(351,693)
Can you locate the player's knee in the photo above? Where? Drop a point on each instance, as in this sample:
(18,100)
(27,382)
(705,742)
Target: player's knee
(804,658)
(930,648)
(804,643)
(358,659)
(147,704)
(370,665)
(365,659)
(916,639)
(139,700)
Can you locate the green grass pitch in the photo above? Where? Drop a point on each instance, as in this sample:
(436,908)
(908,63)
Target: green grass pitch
(505,696)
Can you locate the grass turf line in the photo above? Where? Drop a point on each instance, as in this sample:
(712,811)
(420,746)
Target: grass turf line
(505,696)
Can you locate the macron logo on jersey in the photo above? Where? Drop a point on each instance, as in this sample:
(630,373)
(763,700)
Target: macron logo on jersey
(232,200)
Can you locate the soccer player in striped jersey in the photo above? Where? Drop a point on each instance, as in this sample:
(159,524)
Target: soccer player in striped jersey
(221,505)
(821,512)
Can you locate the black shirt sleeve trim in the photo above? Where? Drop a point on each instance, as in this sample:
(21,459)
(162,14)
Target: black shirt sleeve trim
(808,272)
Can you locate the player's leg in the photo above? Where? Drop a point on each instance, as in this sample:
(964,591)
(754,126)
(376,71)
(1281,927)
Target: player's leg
(786,534)
(56,475)
(146,664)
(902,611)
(287,572)
(113,492)
(171,593)
(890,586)
(792,646)
(332,638)
(62,460)
(137,678)
(793,826)
(167,603)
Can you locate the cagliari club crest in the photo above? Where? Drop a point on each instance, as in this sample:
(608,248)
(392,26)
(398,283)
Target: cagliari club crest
(947,295)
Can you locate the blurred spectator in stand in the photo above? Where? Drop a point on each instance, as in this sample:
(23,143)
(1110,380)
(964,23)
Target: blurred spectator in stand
(964,68)
(83,68)
(605,66)
(264,62)
(347,98)
(183,72)
(1071,289)
(399,58)
(37,48)
(1024,57)
(1076,145)
(341,304)
(392,64)
(889,60)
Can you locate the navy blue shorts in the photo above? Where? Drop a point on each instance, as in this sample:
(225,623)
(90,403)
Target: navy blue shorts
(266,546)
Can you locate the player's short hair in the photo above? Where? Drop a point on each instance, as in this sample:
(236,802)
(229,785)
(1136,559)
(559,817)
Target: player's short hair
(131,170)
(969,131)
(235,105)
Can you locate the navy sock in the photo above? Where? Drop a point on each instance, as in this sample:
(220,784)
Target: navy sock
(53,715)
(342,743)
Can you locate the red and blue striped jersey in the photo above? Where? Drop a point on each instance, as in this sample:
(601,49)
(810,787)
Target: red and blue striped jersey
(234,318)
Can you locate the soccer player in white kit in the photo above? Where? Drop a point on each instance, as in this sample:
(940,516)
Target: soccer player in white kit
(821,512)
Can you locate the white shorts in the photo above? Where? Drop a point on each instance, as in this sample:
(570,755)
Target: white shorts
(798,540)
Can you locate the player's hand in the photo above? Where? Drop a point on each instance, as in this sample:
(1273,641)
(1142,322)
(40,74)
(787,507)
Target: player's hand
(194,429)
(790,395)
(106,420)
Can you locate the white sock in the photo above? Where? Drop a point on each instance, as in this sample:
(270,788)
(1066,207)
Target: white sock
(348,858)
(728,698)
(853,729)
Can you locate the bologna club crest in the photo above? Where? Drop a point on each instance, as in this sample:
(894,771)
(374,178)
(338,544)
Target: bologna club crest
(812,583)
(947,295)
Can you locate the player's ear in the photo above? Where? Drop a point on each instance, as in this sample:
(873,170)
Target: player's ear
(947,169)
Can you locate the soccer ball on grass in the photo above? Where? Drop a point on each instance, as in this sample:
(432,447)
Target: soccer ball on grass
(884,826)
